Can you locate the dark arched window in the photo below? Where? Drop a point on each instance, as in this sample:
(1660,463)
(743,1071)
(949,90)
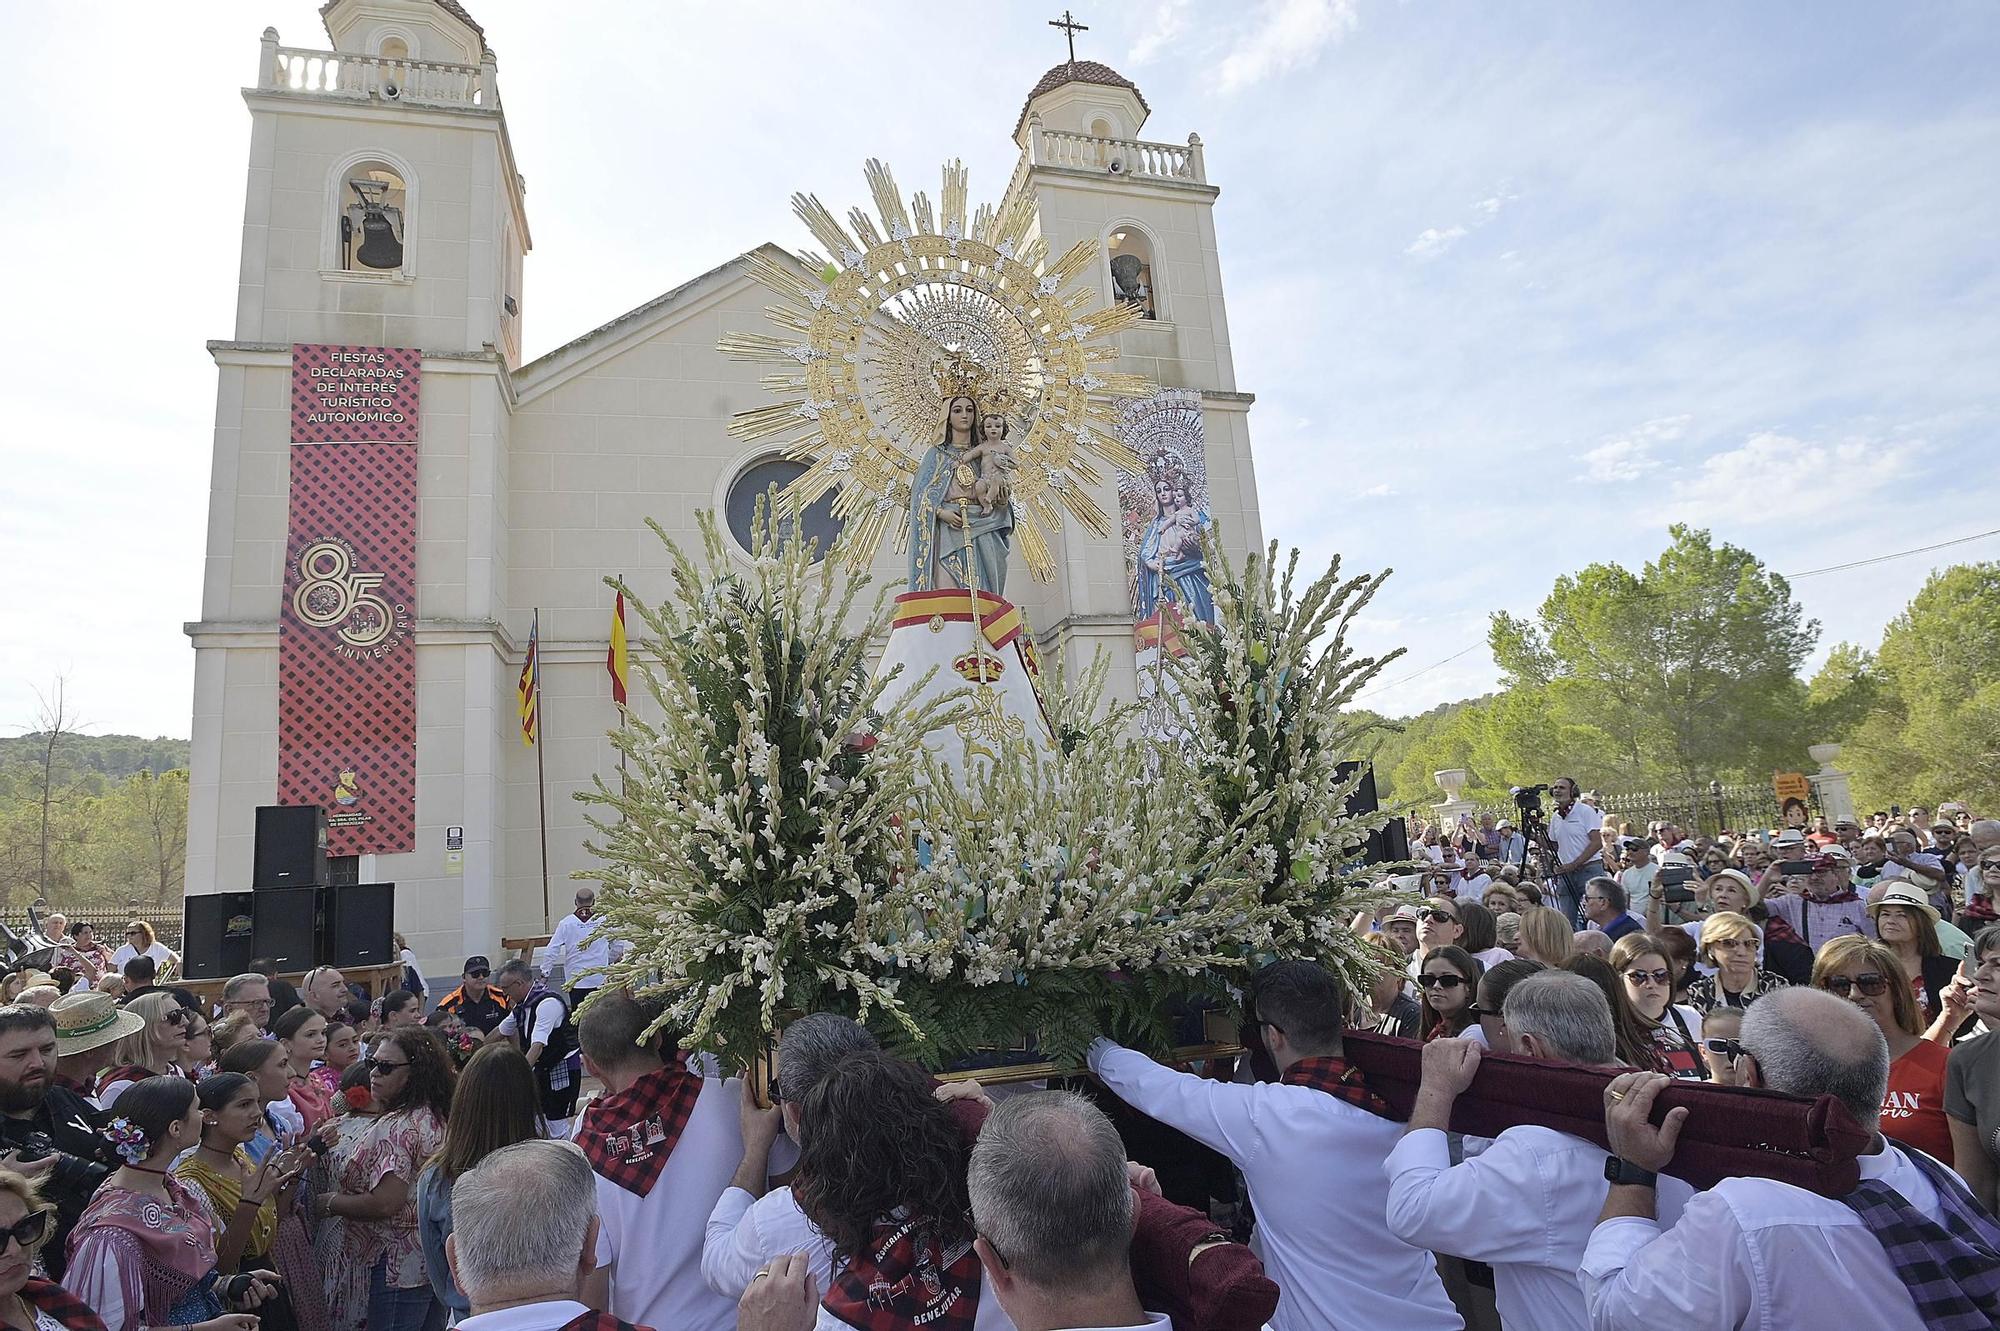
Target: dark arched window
(817,524)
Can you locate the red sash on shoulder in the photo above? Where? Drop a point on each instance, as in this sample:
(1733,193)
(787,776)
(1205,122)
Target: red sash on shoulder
(627,1137)
(596,1321)
(1339,1080)
(123,1072)
(48,1297)
(907,1278)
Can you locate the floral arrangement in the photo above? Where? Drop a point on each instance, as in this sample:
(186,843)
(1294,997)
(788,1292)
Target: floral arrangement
(458,1039)
(127,1138)
(781,842)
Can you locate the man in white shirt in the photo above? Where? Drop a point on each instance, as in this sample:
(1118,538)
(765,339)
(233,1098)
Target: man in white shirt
(1526,1204)
(748,1227)
(583,946)
(538,1022)
(521,1263)
(1054,1214)
(1576,834)
(1312,1156)
(661,1141)
(1751,1252)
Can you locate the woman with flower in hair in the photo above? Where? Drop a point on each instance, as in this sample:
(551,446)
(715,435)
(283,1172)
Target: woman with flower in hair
(143,1253)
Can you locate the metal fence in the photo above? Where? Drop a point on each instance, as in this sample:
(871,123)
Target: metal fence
(110,925)
(1698,810)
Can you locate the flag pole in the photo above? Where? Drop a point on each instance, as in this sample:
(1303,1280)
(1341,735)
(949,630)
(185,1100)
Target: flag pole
(541,776)
(624,783)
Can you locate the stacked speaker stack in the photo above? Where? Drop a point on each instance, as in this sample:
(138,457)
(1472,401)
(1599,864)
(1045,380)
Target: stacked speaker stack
(297,912)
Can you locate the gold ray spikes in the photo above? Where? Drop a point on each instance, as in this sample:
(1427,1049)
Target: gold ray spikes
(808,209)
(952,199)
(888,202)
(856,351)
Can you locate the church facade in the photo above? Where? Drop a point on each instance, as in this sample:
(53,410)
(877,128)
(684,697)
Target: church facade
(386,226)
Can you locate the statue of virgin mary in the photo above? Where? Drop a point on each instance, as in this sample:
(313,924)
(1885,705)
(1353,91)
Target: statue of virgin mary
(961,516)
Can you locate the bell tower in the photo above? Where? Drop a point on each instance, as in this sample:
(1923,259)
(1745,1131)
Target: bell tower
(1149,207)
(384,221)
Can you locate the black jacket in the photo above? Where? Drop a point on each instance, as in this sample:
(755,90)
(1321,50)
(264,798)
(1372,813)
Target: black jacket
(66,1123)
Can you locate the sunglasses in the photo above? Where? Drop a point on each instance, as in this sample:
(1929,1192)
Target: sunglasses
(1871,985)
(382,1067)
(477,975)
(177,1017)
(1989,864)
(1440,917)
(31,1231)
(1440,981)
(1727,1048)
(1649,977)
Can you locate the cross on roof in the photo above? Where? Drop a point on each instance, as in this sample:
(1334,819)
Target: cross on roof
(1070,29)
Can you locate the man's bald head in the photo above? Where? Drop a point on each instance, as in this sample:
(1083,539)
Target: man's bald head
(1807,1042)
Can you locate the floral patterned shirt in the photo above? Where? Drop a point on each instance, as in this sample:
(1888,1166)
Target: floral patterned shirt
(398,1144)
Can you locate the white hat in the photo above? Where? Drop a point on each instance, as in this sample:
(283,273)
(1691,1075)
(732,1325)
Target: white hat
(1505,822)
(1791,836)
(1673,859)
(1902,894)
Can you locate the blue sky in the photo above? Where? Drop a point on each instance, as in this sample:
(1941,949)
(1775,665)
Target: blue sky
(1516,286)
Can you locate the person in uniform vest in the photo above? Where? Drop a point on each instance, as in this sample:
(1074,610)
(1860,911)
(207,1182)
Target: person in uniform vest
(538,1021)
(521,1267)
(475,1002)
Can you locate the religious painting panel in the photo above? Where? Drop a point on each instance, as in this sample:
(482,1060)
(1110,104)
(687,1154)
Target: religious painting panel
(1164,508)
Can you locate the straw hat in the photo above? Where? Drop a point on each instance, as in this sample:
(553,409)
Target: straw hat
(87,1020)
(1900,894)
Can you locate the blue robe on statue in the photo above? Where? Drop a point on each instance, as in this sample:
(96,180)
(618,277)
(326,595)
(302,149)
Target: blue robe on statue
(974,556)
(1186,576)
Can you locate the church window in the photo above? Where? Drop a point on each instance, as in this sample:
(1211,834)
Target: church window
(371,214)
(1132,269)
(817,524)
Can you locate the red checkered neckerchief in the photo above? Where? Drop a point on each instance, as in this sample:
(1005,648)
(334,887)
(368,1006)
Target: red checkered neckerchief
(1337,1079)
(597,1321)
(908,1278)
(627,1137)
(46,1296)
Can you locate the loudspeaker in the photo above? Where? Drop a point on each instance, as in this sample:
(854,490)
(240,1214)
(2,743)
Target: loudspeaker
(285,926)
(291,846)
(360,921)
(216,935)
(1388,844)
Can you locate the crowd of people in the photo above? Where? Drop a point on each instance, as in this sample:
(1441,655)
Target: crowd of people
(297,1158)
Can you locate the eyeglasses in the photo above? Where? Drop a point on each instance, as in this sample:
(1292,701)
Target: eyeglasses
(31,1231)
(1728,1048)
(1871,985)
(382,1067)
(1440,981)
(477,975)
(1989,864)
(1440,917)
(1650,977)
(1734,944)
(177,1017)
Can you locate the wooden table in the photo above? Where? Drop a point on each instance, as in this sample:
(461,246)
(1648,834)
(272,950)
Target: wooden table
(377,980)
(524,948)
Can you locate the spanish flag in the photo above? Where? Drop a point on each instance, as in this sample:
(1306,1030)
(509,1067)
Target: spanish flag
(530,687)
(617,660)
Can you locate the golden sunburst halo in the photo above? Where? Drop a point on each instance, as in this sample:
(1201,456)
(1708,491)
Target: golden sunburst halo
(864,337)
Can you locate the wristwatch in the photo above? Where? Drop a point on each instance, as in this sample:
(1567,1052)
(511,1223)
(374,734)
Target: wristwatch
(1617,1170)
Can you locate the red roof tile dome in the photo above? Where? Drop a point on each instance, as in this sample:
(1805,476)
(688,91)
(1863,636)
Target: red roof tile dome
(1080,71)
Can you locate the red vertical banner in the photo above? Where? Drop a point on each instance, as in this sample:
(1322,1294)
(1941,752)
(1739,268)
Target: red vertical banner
(347,669)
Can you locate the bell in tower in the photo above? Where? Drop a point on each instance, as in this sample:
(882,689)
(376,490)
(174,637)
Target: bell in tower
(379,222)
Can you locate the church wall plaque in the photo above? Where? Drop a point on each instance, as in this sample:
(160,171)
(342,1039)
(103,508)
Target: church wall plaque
(347,676)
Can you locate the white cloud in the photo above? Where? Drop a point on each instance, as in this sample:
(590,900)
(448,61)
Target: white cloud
(1748,483)
(1433,241)
(1283,36)
(1169,24)
(1382,491)
(1628,456)
(1618,460)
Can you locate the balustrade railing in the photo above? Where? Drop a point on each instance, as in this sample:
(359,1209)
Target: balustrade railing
(1181,162)
(359,77)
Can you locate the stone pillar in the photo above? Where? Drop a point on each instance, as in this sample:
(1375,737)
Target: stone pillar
(1452,783)
(1836,801)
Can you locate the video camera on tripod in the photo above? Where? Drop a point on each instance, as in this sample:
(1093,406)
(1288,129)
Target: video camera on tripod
(1534,822)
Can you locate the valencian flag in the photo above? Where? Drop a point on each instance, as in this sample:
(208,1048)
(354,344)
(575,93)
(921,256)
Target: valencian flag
(617,661)
(530,687)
